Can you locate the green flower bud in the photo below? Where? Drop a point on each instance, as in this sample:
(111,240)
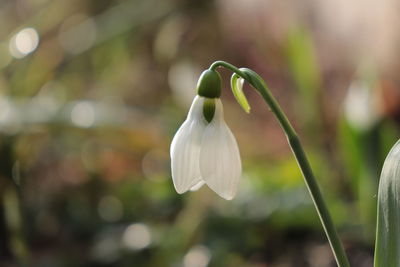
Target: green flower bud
(209,84)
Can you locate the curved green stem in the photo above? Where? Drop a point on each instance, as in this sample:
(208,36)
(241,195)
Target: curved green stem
(228,66)
(258,83)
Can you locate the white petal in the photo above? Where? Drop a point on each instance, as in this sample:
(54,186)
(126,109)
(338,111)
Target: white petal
(197,186)
(185,148)
(220,163)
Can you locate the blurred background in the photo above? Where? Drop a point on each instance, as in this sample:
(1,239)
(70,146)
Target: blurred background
(92,92)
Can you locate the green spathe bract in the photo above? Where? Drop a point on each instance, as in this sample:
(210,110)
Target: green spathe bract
(387,246)
(209,84)
(237,89)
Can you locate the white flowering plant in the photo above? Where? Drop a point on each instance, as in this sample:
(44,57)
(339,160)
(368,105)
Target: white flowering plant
(204,150)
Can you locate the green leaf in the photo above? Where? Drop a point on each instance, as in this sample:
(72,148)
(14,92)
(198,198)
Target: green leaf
(237,89)
(387,246)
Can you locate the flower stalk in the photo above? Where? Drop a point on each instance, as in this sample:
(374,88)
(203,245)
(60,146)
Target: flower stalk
(258,83)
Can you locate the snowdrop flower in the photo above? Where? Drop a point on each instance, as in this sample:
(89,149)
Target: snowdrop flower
(359,107)
(204,150)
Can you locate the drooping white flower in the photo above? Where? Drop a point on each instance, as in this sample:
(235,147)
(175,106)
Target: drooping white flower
(359,107)
(205,152)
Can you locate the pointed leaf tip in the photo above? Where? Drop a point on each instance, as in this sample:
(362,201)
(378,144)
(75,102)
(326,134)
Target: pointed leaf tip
(387,246)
